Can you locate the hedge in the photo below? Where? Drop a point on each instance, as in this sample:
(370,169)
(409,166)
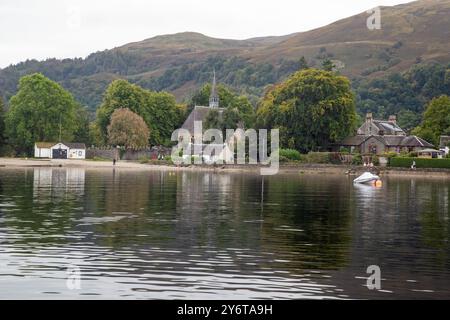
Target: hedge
(420,162)
(290,154)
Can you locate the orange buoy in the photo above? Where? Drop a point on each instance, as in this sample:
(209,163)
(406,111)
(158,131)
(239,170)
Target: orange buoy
(378,183)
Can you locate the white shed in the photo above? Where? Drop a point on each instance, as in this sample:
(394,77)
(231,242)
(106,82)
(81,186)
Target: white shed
(76,150)
(59,151)
(43,149)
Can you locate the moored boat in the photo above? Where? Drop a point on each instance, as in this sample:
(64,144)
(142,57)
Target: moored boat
(366,177)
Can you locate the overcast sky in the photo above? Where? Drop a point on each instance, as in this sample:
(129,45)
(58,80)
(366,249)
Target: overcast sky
(32,29)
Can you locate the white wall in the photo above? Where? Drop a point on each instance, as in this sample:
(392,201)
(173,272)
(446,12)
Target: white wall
(48,152)
(42,152)
(61,146)
(77,154)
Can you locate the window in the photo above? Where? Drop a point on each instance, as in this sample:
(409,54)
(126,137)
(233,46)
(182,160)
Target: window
(373,149)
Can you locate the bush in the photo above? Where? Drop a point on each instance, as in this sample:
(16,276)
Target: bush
(390,155)
(375,160)
(290,154)
(357,159)
(404,162)
(318,157)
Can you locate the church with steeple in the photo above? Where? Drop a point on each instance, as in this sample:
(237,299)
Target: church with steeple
(199,113)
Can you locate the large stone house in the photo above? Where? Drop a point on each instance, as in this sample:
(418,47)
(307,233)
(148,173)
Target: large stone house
(380,136)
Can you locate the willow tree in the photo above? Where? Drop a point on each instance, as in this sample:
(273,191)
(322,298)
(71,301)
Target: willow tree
(312,108)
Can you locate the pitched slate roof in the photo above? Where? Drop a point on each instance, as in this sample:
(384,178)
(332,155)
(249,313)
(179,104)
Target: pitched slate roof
(414,141)
(389,128)
(45,144)
(199,113)
(75,145)
(391,141)
(353,141)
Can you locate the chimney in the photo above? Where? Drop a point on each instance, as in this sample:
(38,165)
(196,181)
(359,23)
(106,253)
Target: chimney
(393,119)
(369,117)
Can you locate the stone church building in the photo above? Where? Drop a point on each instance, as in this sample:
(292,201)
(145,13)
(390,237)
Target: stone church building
(199,113)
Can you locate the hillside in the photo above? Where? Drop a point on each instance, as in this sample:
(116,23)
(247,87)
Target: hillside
(410,33)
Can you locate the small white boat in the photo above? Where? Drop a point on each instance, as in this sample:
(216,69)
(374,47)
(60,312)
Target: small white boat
(366,177)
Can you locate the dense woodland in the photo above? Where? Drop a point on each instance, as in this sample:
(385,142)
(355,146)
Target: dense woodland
(404,94)
(87,79)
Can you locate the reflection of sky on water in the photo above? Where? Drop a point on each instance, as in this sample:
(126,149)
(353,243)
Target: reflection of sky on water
(206,235)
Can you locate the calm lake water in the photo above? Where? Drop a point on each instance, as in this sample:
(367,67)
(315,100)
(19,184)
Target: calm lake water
(175,235)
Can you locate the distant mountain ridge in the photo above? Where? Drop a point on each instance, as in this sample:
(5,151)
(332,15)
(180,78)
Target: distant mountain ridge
(180,63)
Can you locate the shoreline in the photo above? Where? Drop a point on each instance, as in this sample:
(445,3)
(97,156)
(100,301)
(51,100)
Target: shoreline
(300,168)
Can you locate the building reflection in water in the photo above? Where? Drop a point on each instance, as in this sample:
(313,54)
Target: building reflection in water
(57,183)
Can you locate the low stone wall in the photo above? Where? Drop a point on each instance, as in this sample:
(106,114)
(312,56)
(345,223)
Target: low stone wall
(110,154)
(153,153)
(129,154)
(134,155)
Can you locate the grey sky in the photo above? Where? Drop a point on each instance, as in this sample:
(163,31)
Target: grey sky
(74,28)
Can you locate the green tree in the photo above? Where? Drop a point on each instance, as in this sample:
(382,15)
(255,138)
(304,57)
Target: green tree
(312,108)
(213,120)
(239,114)
(158,109)
(2,124)
(95,135)
(237,110)
(128,129)
(37,111)
(328,65)
(201,97)
(120,94)
(302,63)
(436,120)
(408,119)
(163,116)
(82,132)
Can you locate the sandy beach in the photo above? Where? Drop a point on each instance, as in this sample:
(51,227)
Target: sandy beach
(290,168)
